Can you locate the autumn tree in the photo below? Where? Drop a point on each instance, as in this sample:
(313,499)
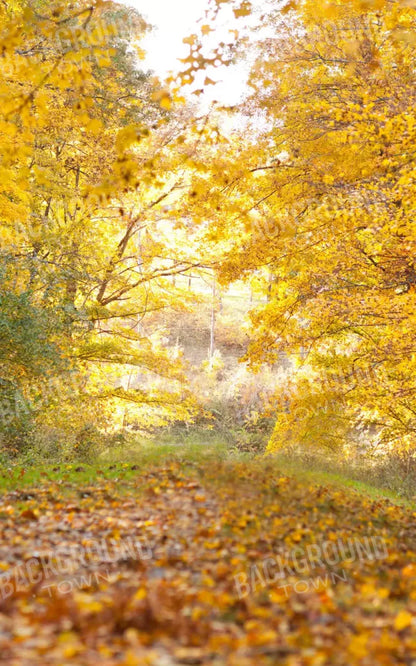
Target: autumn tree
(86,200)
(320,195)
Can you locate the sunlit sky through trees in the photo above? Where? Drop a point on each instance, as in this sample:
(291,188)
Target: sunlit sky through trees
(172,22)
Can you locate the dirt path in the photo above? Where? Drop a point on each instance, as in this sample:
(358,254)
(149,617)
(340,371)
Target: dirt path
(227,564)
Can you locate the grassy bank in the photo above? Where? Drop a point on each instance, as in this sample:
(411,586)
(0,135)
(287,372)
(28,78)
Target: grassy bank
(384,480)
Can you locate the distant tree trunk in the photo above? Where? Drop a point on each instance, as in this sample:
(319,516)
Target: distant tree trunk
(125,415)
(269,289)
(212,341)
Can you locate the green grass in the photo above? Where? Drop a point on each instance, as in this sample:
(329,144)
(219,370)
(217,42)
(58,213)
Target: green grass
(125,464)
(19,476)
(122,464)
(340,478)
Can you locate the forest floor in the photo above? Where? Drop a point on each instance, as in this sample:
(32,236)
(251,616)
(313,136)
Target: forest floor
(209,562)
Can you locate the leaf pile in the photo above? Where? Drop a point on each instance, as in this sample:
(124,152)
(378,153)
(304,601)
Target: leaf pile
(201,526)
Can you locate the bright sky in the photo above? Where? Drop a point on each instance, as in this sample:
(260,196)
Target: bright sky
(173,20)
